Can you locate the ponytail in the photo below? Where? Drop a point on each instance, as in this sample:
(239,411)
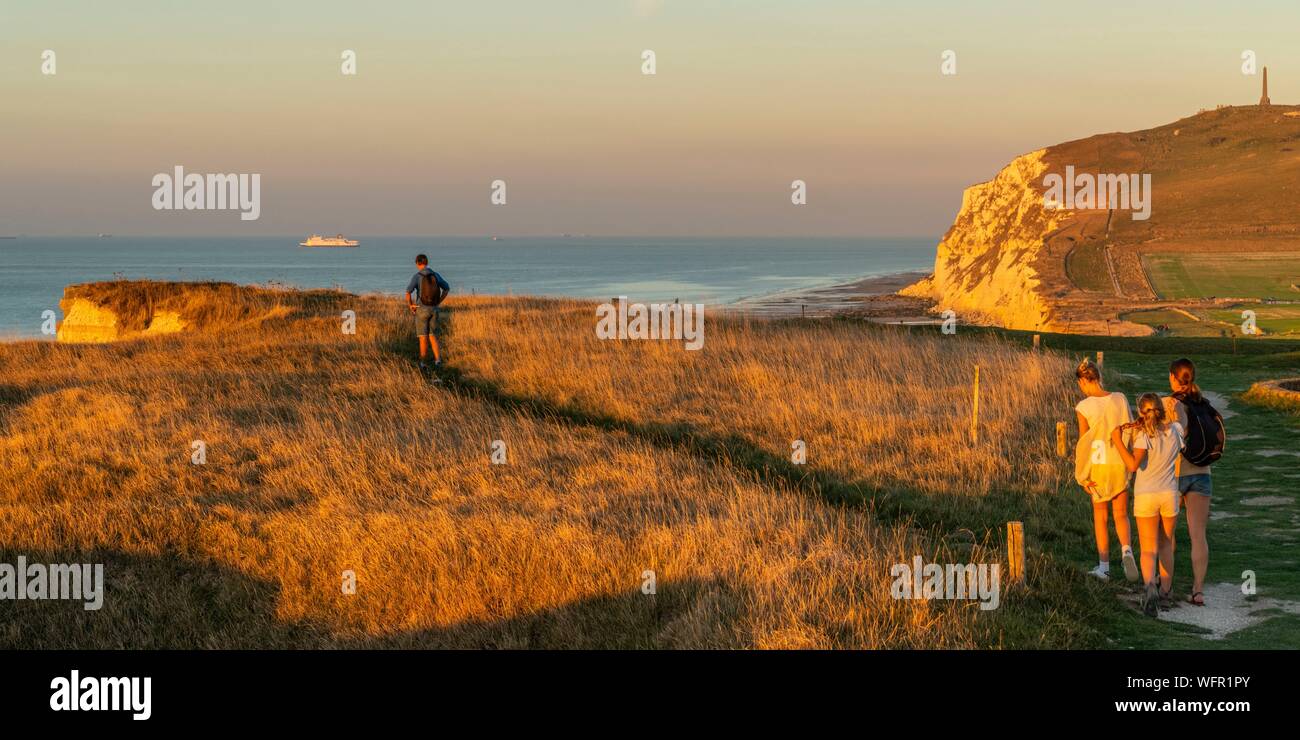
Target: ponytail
(1087,370)
(1151,415)
(1183,371)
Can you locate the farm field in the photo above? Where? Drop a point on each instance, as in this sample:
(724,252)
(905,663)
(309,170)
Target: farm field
(1274,321)
(1234,274)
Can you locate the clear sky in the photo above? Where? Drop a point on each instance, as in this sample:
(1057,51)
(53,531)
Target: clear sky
(548,95)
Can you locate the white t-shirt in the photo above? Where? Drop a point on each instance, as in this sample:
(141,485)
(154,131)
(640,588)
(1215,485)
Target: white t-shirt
(1158,472)
(1104,413)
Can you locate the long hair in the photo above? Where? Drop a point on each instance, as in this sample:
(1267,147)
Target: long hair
(1183,370)
(1087,370)
(1151,415)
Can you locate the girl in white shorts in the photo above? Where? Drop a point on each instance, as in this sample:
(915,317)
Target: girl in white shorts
(1156,444)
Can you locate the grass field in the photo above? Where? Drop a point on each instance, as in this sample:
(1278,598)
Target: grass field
(1225,275)
(1275,321)
(329,452)
(1177,323)
(1086,268)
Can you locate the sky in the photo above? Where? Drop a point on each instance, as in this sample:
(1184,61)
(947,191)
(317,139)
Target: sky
(549,97)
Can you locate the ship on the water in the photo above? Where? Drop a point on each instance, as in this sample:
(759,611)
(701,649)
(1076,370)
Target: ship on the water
(338,240)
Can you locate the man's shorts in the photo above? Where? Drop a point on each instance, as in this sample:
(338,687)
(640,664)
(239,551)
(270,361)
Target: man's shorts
(426,320)
(1163,504)
(1199,483)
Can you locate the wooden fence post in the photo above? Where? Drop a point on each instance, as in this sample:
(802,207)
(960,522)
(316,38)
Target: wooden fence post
(1016,551)
(1060,438)
(1101,361)
(975,409)
(1037,342)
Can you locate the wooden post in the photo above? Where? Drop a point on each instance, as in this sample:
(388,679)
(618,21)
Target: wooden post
(1060,438)
(1101,361)
(975,409)
(802,306)
(1036,342)
(1016,551)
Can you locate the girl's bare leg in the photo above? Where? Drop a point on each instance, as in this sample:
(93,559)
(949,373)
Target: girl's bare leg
(1149,541)
(1119,507)
(1198,513)
(1166,534)
(1099,528)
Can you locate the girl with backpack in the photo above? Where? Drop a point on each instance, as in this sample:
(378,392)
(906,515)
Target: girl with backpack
(1156,444)
(1099,468)
(1204,443)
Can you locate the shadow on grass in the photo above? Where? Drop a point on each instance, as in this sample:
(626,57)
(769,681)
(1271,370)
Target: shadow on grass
(170,602)
(1061,530)
(924,510)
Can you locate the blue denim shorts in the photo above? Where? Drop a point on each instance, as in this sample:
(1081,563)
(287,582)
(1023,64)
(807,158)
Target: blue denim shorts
(1199,483)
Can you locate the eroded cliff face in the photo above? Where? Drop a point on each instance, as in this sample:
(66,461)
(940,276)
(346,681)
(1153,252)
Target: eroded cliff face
(985,267)
(86,322)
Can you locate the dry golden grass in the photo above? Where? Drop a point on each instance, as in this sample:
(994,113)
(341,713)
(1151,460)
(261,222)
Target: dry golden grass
(873,404)
(329,452)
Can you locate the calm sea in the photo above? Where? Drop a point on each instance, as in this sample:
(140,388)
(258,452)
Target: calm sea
(34,271)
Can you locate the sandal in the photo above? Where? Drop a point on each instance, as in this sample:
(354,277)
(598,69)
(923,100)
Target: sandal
(1167,600)
(1196,599)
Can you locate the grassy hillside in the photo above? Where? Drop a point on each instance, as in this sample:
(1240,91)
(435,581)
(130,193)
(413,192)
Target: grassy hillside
(329,452)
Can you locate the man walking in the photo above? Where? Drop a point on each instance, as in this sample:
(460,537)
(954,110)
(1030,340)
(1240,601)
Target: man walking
(432,290)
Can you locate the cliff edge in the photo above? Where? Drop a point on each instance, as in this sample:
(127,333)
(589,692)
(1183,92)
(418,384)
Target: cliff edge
(1223,181)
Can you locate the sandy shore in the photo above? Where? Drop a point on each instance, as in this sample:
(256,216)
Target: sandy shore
(871,298)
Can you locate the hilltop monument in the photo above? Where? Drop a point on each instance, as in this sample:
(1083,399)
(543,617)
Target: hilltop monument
(1263,101)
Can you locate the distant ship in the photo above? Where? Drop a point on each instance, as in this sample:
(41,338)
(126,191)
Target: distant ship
(338,240)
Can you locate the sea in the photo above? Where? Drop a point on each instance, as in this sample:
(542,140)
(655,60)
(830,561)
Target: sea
(35,270)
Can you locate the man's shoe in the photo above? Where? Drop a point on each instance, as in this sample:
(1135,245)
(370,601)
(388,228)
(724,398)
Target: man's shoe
(1100,572)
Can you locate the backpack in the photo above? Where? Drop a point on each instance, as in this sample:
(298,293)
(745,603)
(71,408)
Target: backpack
(1205,433)
(430,294)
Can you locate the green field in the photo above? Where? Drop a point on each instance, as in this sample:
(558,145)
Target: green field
(1086,268)
(1175,323)
(1274,321)
(1235,275)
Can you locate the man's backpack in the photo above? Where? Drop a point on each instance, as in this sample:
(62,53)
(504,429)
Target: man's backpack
(430,293)
(1205,433)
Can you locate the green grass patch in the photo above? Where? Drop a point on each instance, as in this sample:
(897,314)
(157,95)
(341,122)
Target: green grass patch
(1273,320)
(1231,275)
(1176,323)
(1086,268)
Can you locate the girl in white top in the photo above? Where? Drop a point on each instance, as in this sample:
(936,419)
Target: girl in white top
(1156,444)
(1100,469)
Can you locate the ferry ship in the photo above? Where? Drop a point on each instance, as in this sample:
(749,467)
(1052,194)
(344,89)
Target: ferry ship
(338,240)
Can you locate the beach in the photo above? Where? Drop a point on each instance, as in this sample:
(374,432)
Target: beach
(873,298)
